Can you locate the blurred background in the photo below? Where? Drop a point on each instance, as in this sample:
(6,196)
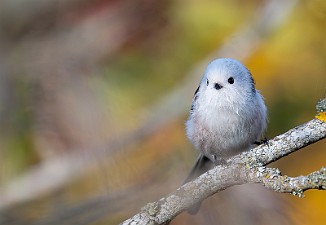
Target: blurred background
(94,95)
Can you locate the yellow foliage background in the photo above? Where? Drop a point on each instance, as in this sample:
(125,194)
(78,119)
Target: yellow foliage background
(91,78)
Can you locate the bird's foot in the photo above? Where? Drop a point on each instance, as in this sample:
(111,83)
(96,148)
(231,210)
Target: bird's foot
(264,141)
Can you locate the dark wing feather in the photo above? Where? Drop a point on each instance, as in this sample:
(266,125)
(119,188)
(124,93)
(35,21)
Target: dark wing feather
(194,99)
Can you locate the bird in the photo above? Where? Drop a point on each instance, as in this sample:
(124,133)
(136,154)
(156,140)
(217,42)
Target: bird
(227,115)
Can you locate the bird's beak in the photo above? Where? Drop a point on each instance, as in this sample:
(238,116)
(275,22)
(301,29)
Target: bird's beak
(217,86)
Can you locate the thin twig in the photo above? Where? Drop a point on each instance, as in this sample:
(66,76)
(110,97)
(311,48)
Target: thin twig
(271,178)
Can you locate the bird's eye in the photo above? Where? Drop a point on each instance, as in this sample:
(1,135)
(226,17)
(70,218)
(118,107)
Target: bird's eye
(207,82)
(231,80)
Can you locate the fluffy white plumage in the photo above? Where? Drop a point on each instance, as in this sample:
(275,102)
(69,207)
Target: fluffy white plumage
(228,115)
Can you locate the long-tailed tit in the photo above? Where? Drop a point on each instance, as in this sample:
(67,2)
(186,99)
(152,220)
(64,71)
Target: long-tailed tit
(227,116)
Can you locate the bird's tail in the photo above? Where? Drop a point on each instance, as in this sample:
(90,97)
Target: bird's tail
(202,165)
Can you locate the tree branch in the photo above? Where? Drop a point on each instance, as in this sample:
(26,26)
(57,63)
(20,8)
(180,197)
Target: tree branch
(283,144)
(271,178)
(244,168)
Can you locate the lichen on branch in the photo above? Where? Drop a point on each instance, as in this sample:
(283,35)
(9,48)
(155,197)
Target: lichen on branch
(271,178)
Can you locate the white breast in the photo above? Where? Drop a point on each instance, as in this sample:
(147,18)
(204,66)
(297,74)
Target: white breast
(221,129)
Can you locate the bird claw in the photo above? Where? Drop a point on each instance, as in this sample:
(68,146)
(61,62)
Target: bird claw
(264,141)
